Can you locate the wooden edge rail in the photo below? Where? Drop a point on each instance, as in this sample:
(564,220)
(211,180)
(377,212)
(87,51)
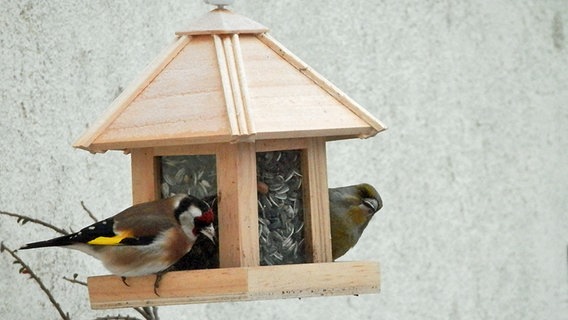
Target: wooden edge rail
(237,284)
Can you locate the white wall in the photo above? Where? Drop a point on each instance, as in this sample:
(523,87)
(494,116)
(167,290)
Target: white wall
(473,169)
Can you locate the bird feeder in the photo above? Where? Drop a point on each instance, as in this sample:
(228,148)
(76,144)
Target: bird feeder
(227,110)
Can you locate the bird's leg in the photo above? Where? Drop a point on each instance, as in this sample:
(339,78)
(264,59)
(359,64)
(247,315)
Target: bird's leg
(124,281)
(158,279)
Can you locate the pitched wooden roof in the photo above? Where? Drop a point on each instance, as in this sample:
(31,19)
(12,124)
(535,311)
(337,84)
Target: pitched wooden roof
(224,79)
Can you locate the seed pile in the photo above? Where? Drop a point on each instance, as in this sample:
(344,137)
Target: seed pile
(280,209)
(195,175)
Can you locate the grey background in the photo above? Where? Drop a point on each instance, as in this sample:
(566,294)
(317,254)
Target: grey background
(473,169)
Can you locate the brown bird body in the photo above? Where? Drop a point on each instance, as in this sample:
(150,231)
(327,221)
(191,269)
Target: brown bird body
(143,239)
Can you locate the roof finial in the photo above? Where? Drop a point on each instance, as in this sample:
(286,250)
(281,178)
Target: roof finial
(220,3)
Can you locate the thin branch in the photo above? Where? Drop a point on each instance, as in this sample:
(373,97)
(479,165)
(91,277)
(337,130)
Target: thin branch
(89,212)
(149,313)
(25,219)
(26,269)
(142,311)
(74,280)
(119,317)
(155,313)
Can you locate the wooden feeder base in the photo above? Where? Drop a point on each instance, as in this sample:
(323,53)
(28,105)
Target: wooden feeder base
(237,284)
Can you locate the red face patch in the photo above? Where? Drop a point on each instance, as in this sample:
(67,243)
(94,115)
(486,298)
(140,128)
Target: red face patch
(207,217)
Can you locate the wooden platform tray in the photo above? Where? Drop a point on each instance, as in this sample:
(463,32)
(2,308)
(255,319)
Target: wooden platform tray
(237,284)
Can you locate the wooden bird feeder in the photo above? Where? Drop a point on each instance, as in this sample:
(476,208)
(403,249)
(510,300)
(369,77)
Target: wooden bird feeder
(222,99)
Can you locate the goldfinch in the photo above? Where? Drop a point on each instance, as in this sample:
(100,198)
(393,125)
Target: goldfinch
(351,208)
(144,239)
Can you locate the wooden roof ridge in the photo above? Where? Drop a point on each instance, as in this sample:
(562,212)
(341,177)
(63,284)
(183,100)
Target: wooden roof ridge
(325,84)
(235,87)
(123,100)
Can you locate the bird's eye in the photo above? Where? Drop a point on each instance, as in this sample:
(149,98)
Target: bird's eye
(372,204)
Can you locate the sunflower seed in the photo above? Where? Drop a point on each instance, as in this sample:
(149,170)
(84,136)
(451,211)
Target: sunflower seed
(165,188)
(169,180)
(178,178)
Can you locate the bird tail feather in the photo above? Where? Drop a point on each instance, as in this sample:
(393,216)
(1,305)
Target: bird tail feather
(56,242)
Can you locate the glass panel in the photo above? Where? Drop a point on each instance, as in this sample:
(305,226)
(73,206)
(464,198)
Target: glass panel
(280,209)
(195,175)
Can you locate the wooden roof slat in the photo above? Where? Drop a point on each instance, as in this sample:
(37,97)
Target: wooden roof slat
(239,64)
(226,84)
(235,86)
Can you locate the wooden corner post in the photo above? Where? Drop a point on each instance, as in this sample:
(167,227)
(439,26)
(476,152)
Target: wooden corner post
(238,213)
(318,227)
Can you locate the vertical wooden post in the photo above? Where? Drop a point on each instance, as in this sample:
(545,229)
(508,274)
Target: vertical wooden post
(316,202)
(145,175)
(238,213)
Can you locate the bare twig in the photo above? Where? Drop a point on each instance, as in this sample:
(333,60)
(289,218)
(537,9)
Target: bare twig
(155,313)
(26,269)
(149,313)
(119,317)
(142,311)
(89,212)
(74,280)
(25,219)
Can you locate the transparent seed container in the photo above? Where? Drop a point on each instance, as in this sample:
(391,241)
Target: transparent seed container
(280,209)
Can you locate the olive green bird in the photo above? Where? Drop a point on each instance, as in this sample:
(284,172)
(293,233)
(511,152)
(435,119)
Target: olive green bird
(351,209)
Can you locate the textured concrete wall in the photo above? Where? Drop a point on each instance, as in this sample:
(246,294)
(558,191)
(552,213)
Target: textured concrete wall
(473,170)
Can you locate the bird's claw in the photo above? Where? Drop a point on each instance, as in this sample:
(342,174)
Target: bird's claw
(157,282)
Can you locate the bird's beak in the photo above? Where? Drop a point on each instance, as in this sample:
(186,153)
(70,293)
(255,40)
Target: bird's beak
(209,232)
